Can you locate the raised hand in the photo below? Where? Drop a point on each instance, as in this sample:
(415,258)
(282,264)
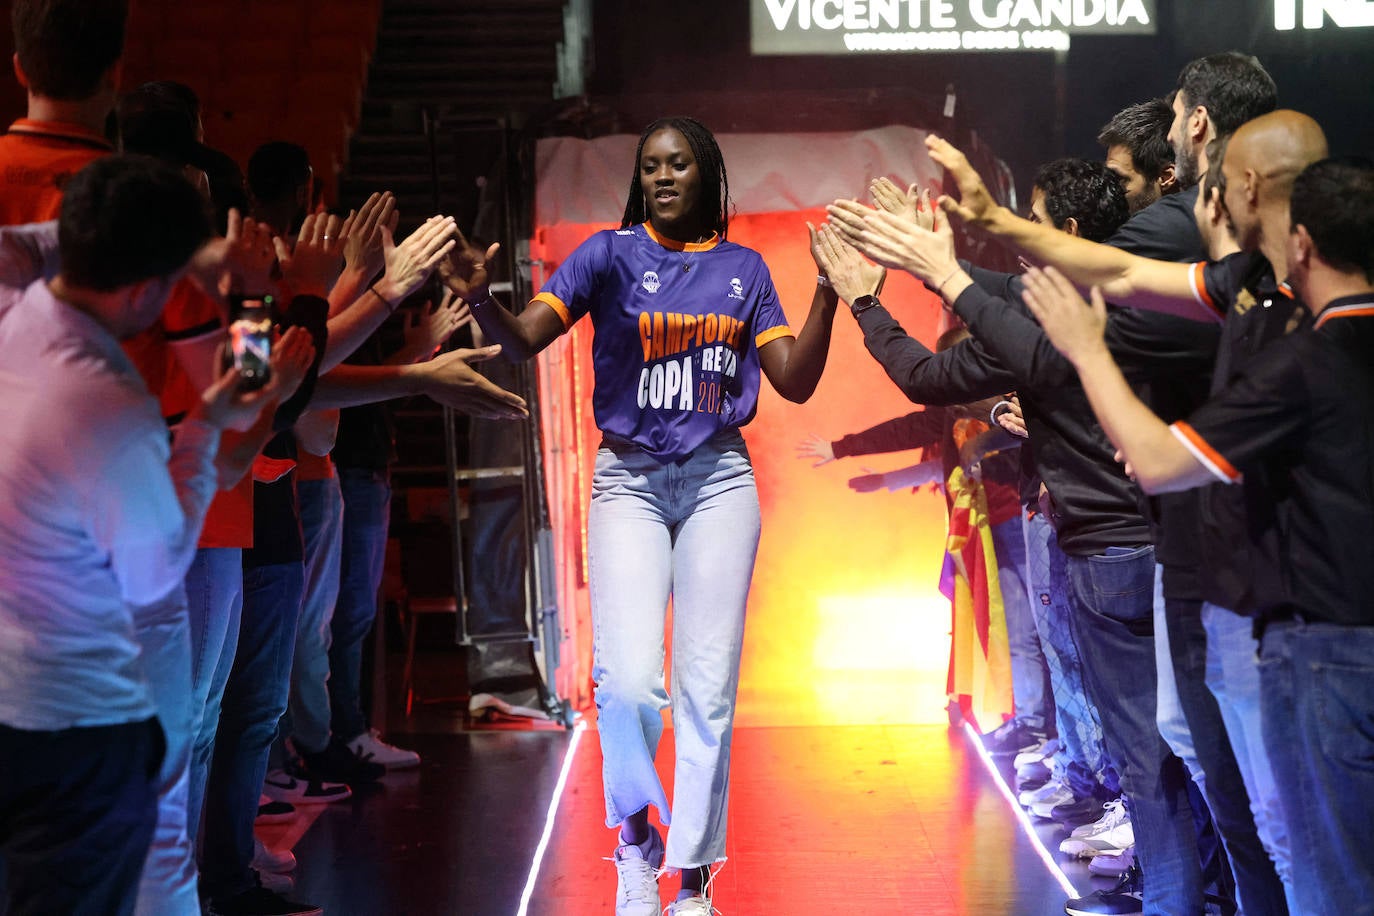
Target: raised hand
(894,241)
(850,275)
(428,329)
(817,447)
(887,196)
(976,204)
(362,233)
(1074,327)
(465,270)
(241,261)
(450,380)
(409,264)
(312,266)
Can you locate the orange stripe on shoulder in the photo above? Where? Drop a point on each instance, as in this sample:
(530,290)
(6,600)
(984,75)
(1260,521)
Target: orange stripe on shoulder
(560,308)
(1199,284)
(1200,447)
(772,334)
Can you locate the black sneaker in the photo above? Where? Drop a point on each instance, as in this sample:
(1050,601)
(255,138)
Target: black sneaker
(274,812)
(259,901)
(1122,900)
(336,763)
(1013,737)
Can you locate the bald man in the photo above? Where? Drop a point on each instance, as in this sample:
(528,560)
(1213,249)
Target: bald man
(1247,291)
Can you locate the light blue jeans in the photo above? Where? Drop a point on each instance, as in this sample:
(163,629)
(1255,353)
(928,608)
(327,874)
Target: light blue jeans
(1233,676)
(1029,677)
(168,883)
(689,530)
(1173,726)
(321,507)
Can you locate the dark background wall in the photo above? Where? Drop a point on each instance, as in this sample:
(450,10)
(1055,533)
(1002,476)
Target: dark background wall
(656,53)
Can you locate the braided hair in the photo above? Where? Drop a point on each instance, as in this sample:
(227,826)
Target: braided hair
(715,186)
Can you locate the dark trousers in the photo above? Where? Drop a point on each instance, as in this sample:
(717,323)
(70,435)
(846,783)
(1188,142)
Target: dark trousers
(77,811)
(1112,597)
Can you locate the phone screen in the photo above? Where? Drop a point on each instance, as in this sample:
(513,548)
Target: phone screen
(250,341)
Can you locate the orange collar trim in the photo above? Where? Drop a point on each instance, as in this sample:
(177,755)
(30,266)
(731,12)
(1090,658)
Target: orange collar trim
(675,245)
(1354,310)
(1285,290)
(62,130)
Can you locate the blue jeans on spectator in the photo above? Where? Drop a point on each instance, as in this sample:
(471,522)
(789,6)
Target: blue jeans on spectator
(168,883)
(1233,678)
(254,700)
(321,508)
(1317,696)
(1256,887)
(1081,760)
(214,595)
(78,809)
(366,516)
(688,530)
(1029,677)
(1112,595)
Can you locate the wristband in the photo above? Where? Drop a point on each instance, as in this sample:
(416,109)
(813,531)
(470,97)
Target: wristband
(823,280)
(385,301)
(992,414)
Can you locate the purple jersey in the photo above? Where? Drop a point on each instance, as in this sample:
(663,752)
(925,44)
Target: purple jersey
(677,333)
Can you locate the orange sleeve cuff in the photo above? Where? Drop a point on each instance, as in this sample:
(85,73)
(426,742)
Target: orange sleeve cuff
(558,305)
(1207,456)
(772,334)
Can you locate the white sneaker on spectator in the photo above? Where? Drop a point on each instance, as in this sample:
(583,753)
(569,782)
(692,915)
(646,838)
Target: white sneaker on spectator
(281,786)
(276,883)
(1112,866)
(271,860)
(1111,835)
(1048,801)
(1029,797)
(1046,750)
(692,906)
(369,746)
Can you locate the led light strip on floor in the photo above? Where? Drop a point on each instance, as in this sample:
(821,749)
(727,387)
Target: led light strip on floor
(549,819)
(1045,856)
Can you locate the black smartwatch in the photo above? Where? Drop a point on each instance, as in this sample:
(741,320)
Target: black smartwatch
(863,304)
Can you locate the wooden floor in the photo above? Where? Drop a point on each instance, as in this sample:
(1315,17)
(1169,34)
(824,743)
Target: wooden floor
(850,820)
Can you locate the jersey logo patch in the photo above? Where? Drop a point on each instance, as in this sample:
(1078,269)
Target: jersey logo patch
(650,282)
(736,289)
(624,232)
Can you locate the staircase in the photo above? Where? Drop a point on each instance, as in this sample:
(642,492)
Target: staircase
(459,63)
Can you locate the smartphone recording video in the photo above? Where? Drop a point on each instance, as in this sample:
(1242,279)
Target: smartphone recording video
(250,340)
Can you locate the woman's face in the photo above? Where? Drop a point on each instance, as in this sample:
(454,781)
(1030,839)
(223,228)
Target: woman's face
(671,182)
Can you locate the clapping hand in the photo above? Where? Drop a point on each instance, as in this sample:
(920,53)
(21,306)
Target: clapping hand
(451,380)
(976,204)
(227,405)
(312,266)
(896,241)
(362,232)
(465,271)
(409,264)
(849,274)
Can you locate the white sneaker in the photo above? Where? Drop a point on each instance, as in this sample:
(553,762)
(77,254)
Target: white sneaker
(369,746)
(1109,866)
(1029,797)
(281,786)
(1112,835)
(1046,803)
(692,906)
(1046,750)
(636,890)
(270,860)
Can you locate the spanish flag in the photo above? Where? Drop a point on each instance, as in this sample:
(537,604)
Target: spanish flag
(979,657)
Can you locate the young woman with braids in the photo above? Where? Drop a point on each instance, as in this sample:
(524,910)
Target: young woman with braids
(684,322)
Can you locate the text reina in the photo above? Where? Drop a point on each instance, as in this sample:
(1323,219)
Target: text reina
(861,15)
(668,384)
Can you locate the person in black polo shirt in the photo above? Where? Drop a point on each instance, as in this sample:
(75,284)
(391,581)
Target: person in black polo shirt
(1303,416)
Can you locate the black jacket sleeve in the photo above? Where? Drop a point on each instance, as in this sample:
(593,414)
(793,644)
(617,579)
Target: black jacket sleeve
(1012,336)
(965,372)
(918,429)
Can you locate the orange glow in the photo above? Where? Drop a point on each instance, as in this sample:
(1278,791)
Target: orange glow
(846,624)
